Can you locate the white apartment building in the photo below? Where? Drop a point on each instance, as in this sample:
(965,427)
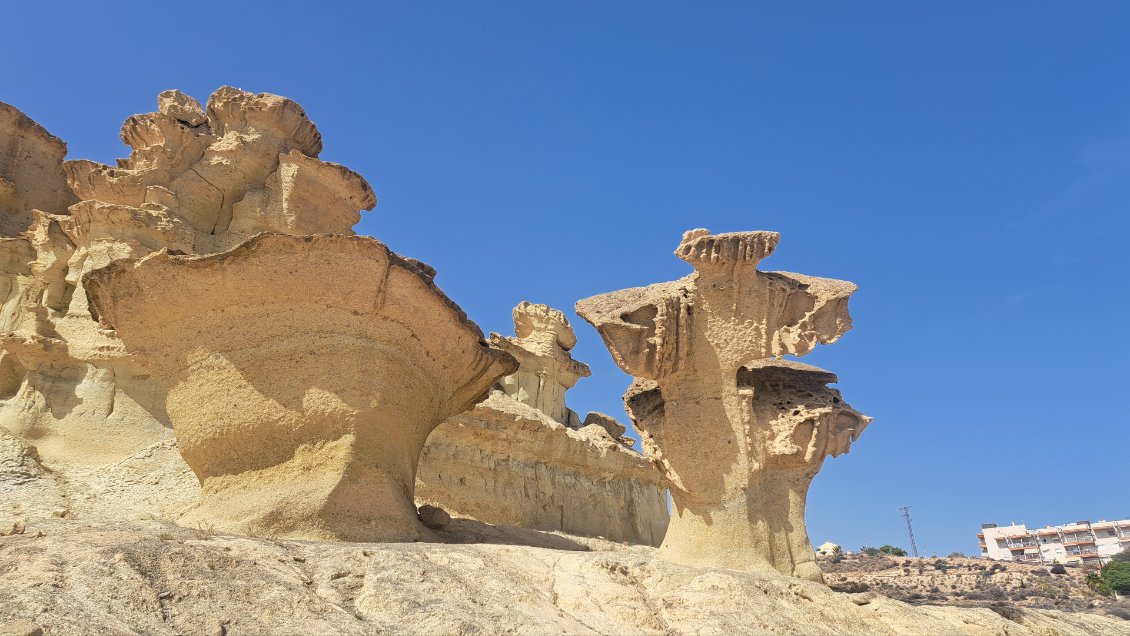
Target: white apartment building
(1081,542)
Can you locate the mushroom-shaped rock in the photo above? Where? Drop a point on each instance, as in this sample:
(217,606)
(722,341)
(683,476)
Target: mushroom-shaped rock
(711,410)
(795,422)
(543,338)
(303,376)
(198,180)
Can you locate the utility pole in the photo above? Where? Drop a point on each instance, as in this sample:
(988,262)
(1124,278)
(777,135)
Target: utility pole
(910,530)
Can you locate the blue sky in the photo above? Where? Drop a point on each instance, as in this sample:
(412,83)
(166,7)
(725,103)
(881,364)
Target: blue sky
(967,164)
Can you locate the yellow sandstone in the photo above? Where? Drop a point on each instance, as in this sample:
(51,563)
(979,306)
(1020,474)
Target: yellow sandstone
(738,437)
(303,376)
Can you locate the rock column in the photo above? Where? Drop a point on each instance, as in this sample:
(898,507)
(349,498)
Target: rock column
(738,433)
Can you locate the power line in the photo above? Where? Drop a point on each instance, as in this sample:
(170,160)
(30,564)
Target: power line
(909,529)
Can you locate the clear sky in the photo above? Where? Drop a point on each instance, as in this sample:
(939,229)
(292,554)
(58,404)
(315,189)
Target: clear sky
(967,164)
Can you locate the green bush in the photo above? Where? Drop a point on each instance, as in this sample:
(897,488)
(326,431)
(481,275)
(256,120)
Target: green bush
(1098,585)
(892,550)
(869,551)
(1116,575)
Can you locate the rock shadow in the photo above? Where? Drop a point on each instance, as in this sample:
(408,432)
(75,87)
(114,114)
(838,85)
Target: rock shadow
(466,531)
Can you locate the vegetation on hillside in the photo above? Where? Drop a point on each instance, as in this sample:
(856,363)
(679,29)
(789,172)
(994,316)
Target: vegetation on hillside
(888,550)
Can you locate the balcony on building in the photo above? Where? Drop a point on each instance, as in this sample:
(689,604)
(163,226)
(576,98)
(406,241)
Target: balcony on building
(1021,542)
(1083,552)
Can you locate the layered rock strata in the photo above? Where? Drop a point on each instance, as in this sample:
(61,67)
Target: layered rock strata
(301,398)
(522,458)
(198,180)
(737,437)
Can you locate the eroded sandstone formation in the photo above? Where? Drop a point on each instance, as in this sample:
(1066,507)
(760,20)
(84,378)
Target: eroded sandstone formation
(300,397)
(246,164)
(198,180)
(522,457)
(31,172)
(738,433)
(543,338)
(202,179)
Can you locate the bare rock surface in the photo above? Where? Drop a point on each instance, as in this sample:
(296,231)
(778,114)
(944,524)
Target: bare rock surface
(28,490)
(148,577)
(434,518)
(304,423)
(611,425)
(19,461)
(152,483)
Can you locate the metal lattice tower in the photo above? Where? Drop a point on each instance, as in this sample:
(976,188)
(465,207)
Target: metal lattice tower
(909,529)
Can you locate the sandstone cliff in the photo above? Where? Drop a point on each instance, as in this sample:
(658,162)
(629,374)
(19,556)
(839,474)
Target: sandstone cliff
(504,462)
(31,172)
(523,458)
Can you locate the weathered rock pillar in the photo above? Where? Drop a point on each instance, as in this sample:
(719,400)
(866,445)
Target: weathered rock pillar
(738,437)
(546,371)
(303,375)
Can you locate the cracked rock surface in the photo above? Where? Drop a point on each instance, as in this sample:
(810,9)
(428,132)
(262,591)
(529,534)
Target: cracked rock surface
(153,578)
